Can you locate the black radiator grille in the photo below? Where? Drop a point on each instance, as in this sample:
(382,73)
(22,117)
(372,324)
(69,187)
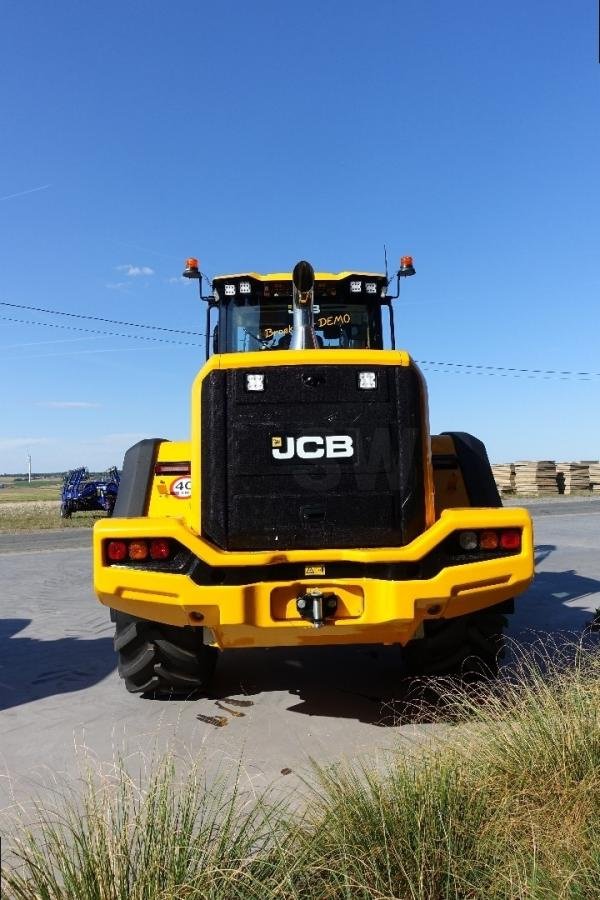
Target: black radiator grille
(316,498)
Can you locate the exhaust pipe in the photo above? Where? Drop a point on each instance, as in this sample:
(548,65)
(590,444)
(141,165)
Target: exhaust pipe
(303,330)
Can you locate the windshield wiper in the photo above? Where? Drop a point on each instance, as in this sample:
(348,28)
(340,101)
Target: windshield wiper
(259,340)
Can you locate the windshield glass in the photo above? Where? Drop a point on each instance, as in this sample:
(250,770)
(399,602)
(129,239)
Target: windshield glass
(250,326)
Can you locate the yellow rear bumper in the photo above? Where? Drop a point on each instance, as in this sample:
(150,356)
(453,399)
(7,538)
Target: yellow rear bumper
(264,614)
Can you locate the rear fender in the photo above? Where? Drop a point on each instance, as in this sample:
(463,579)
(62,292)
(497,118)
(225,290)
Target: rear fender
(462,472)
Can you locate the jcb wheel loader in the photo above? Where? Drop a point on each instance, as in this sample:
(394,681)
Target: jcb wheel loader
(310,505)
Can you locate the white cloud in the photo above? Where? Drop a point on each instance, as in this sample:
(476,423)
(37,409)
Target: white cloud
(176,280)
(117,285)
(69,404)
(134,271)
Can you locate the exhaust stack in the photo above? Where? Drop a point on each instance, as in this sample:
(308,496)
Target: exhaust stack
(303,333)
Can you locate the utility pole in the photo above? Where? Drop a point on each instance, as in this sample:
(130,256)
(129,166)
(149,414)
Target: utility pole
(29,466)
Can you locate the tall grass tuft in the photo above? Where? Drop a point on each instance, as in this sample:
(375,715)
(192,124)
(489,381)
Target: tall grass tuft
(173,839)
(504,803)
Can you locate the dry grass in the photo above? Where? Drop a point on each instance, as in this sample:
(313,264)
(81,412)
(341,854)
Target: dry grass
(507,805)
(40,515)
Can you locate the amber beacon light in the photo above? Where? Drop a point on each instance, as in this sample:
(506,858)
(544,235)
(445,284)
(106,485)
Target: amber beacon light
(192,268)
(406,266)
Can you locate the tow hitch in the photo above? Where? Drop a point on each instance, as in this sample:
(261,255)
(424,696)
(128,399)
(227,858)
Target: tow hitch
(317,606)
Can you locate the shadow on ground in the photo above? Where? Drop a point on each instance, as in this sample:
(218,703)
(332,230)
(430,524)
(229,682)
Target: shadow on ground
(31,669)
(557,602)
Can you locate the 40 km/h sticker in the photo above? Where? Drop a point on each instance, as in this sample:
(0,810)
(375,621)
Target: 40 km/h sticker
(181,488)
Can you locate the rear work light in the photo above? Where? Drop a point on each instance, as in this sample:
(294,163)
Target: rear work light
(367,381)
(490,539)
(255,381)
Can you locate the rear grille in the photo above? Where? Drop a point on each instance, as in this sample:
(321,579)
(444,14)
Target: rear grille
(316,498)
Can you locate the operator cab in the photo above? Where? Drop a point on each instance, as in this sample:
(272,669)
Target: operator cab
(255,311)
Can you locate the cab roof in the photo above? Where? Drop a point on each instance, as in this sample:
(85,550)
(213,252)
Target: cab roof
(287,276)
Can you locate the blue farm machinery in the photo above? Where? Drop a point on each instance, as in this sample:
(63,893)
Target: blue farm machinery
(84,492)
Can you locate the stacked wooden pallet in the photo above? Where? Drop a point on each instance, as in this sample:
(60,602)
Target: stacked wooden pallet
(595,476)
(504,476)
(573,477)
(535,477)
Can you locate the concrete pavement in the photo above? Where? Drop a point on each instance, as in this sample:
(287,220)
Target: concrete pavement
(61,701)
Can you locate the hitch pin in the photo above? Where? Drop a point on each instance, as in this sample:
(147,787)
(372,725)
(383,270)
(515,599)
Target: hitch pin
(318,611)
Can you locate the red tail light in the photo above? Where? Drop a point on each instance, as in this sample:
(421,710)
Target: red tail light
(510,539)
(116,551)
(160,548)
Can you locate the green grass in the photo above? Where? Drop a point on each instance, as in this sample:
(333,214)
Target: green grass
(23,491)
(505,805)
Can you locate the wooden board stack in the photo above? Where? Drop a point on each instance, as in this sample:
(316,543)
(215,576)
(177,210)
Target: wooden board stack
(595,476)
(504,476)
(536,477)
(575,476)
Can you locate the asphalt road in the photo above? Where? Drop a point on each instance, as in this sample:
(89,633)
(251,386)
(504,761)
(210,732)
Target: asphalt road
(62,703)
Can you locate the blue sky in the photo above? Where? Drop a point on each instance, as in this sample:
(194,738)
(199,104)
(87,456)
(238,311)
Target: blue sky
(253,134)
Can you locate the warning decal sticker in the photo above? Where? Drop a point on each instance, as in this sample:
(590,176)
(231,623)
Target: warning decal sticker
(181,488)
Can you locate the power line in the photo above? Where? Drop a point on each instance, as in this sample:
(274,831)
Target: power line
(448,366)
(58,312)
(133,337)
(507,369)
(520,373)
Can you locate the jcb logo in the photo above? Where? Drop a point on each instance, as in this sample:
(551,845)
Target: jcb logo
(333,446)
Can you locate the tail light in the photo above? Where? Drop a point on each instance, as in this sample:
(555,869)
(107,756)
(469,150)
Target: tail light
(510,539)
(138,550)
(468,540)
(490,539)
(116,551)
(160,548)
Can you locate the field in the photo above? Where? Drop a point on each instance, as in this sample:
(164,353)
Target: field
(14,491)
(30,507)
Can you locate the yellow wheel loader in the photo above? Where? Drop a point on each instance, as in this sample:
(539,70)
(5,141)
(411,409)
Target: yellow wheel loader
(310,505)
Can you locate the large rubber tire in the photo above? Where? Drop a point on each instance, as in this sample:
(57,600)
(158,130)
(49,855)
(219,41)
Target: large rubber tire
(162,659)
(65,510)
(466,646)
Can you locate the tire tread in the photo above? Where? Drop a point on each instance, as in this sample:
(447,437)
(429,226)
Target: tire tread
(473,643)
(162,659)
